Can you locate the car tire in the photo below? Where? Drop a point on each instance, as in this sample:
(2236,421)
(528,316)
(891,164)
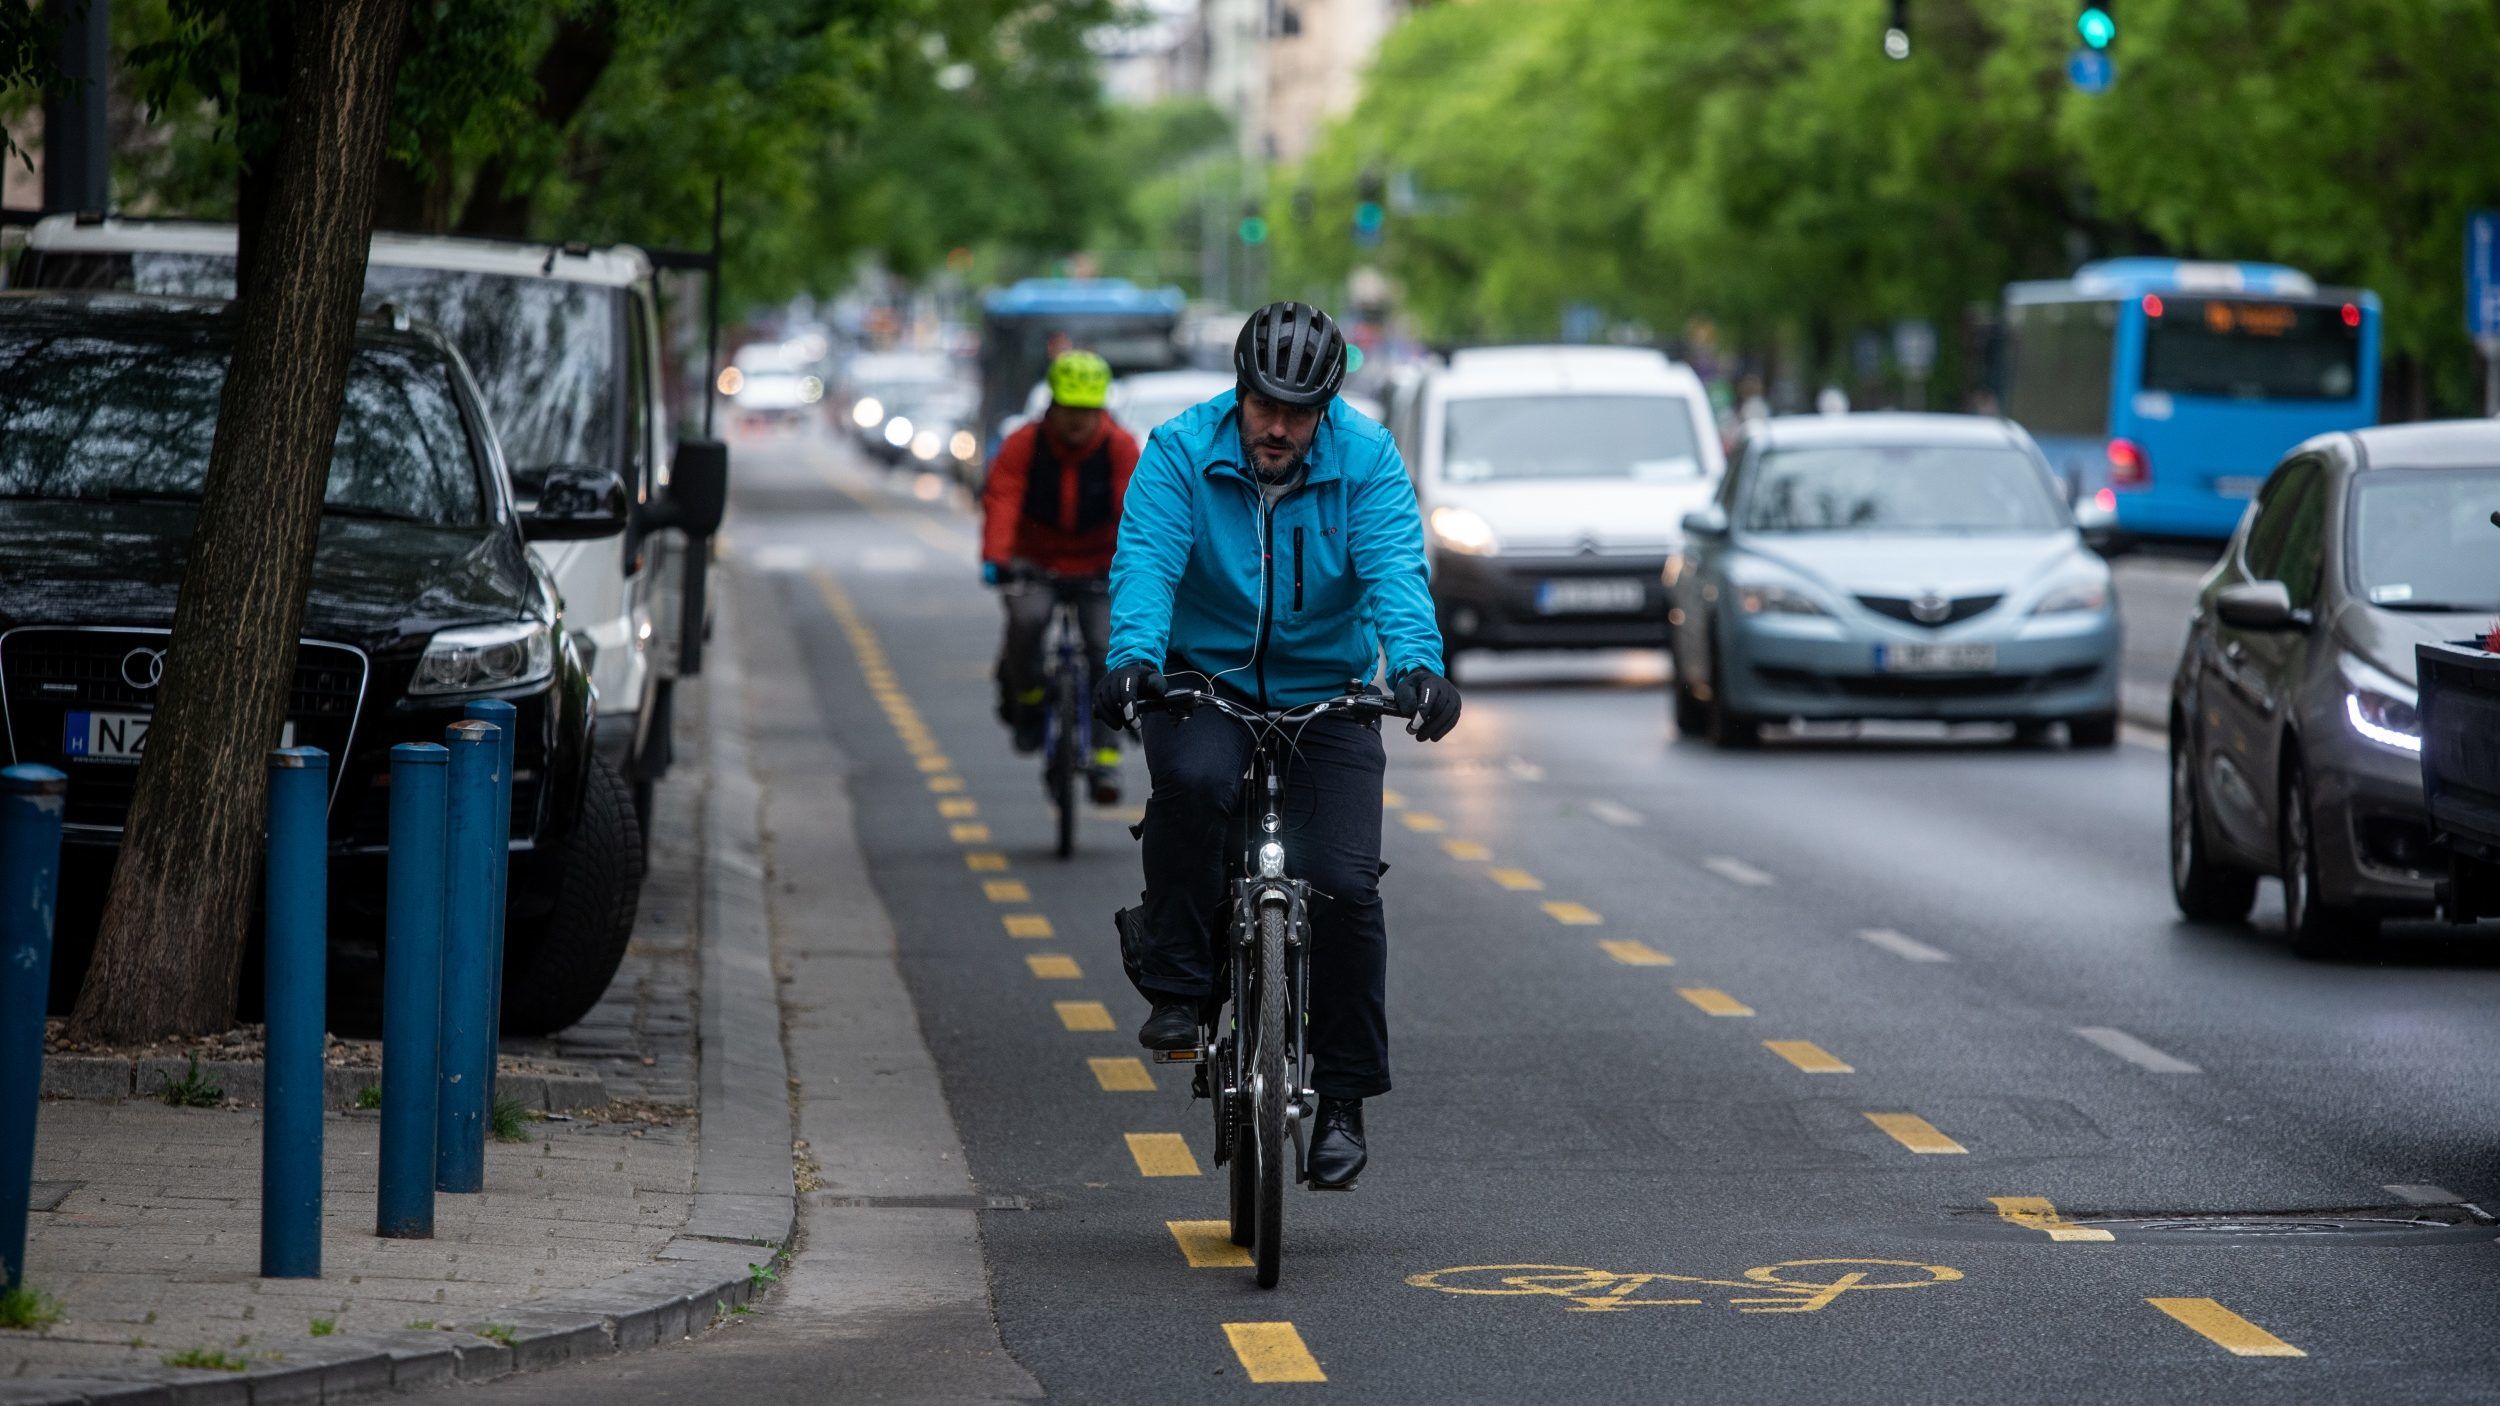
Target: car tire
(558,964)
(1729,730)
(2206,889)
(2316,929)
(2093,732)
(2031,733)
(1690,715)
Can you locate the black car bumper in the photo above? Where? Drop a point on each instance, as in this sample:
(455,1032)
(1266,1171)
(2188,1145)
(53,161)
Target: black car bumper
(1539,602)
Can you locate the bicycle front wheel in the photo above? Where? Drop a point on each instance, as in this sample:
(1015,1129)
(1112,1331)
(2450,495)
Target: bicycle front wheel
(1274,1097)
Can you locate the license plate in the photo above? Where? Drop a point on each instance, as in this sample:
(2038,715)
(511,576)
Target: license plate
(2237,486)
(1600,595)
(1935,658)
(119,737)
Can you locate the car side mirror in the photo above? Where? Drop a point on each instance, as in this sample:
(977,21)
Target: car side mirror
(698,490)
(1709,523)
(577,501)
(2259,605)
(2107,540)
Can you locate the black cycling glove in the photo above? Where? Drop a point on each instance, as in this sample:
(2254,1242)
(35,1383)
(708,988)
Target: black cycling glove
(1116,695)
(1432,701)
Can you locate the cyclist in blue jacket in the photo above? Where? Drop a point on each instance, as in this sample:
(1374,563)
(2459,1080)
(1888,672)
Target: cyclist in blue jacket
(1271,548)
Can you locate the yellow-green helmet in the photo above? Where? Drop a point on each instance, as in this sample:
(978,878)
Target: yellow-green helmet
(1080,380)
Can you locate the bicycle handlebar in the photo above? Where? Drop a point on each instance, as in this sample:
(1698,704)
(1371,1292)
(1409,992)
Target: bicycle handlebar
(1181,700)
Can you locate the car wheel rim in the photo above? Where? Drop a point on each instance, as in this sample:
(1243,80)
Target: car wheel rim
(2182,819)
(2295,863)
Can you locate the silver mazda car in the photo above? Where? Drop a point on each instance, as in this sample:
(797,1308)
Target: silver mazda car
(1891,566)
(2295,751)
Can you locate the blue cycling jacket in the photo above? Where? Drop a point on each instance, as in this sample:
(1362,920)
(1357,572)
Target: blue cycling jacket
(1288,606)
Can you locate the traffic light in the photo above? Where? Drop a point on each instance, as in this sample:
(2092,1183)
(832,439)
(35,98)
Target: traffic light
(2096,25)
(1897,33)
(1253,229)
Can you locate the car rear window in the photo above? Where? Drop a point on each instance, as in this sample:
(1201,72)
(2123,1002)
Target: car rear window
(92,416)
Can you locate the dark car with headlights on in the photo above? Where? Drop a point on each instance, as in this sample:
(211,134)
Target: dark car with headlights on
(2295,747)
(424,597)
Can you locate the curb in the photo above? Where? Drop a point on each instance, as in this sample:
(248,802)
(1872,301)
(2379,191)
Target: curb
(112,1078)
(745,1203)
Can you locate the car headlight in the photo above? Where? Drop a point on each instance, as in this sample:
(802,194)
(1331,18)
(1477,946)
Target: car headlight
(963,445)
(1771,598)
(924,445)
(1465,532)
(2381,708)
(898,431)
(867,412)
(477,658)
(2075,596)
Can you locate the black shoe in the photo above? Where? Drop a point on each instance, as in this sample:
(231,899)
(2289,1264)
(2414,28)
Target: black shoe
(1173,1026)
(1028,726)
(1337,1153)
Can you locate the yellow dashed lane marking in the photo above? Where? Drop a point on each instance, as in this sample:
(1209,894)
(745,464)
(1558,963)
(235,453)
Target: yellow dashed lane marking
(1808,1056)
(1914,1132)
(1053,966)
(1208,1244)
(1083,1015)
(1516,880)
(1006,891)
(1121,1074)
(1162,1155)
(959,808)
(2037,1213)
(934,762)
(1633,953)
(985,861)
(1573,915)
(1713,1000)
(2234,1334)
(1392,800)
(1273,1352)
(944,784)
(969,833)
(1422,822)
(1466,851)
(1026,925)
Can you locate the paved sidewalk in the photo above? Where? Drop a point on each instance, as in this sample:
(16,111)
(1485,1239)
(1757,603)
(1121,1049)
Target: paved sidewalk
(590,1236)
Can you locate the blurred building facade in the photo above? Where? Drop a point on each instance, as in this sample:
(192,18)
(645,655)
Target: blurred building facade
(1281,69)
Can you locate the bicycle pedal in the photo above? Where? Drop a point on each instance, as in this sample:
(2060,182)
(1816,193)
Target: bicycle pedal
(1193,1055)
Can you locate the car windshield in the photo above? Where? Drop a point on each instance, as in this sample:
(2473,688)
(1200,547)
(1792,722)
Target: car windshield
(93,417)
(1141,417)
(1899,488)
(2422,539)
(543,350)
(1646,437)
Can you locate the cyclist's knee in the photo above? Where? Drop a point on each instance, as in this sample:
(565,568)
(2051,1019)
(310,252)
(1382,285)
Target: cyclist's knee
(1208,790)
(1346,880)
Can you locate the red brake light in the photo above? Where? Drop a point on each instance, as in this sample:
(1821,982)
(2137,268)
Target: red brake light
(2106,501)
(2152,305)
(2128,468)
(2352,315)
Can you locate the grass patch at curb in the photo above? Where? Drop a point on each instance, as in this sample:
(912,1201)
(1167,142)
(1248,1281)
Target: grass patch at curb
(509,1121)
(192,1090)
(498,1332)
(207,1359)
(26,1310)
(324,1327)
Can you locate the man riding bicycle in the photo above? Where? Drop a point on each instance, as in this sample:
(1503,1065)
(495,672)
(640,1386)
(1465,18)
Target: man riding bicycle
(1272,550)
(1051,508)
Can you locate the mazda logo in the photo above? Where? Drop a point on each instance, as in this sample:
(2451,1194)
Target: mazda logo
(143,668)
(1930,608)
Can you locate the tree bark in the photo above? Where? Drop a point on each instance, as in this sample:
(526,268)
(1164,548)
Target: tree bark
(584,45)
(169,954)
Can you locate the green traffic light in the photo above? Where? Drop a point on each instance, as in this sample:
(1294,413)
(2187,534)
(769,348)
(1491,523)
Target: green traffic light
(1253,230)
(2096,27)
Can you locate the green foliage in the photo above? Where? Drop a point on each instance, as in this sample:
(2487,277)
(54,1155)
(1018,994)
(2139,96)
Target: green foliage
(370,1096)
(24,1309)
(324,1327)
(761,1276)
(207,1359)
(497,1332)
(509,1121)
(192,1090)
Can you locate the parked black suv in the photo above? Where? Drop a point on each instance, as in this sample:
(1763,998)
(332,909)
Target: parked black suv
(424,597)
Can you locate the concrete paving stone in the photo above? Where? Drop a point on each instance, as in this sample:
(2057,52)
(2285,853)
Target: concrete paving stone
(206,1388)
(570,1091)
(543,1338)
(527,1090)
(54,1391)
(419,1359)
(86,1076)
(481,1359)
(239,1082)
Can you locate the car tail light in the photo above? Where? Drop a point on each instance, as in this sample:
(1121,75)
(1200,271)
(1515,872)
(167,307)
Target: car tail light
(2128,468)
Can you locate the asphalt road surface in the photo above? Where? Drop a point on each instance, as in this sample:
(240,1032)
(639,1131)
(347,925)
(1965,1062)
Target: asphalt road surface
(1853,1069)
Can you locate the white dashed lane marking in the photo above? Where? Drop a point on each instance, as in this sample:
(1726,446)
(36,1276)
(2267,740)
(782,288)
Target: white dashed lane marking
(1736,871)
(2135,1051)
(1908,949)
(1614,814)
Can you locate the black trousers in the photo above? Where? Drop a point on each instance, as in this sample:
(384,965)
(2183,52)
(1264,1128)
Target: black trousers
(1195,817)
(1022,671)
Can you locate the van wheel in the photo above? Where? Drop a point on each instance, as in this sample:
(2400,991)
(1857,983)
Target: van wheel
(2094,732)
(558,964)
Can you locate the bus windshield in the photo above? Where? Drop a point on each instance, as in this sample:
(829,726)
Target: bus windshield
(2241,349)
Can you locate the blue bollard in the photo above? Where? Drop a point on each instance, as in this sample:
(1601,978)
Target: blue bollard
(506,717)
(412,992)
(468,1043)
(295,972)
(31,798)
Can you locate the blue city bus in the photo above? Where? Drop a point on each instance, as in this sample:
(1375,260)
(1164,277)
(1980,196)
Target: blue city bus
(2164,390)
(1133,328)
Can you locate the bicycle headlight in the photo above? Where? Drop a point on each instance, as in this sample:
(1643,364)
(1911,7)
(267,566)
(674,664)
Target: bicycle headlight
(476,658)
(1271,860)
(2381,708)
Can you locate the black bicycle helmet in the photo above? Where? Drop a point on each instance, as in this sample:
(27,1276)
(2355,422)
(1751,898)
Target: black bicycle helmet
(1291,352)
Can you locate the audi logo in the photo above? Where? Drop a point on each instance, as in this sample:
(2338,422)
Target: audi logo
(143,668)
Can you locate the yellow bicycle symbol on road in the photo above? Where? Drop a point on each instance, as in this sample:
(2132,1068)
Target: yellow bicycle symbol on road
(1792,1286)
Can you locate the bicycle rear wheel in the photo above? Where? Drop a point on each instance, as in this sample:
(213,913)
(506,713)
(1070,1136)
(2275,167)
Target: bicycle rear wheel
(1241,1161)
(1066,765)
(1268,1237)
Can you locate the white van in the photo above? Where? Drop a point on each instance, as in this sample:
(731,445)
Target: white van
(1553,482)
(564,342)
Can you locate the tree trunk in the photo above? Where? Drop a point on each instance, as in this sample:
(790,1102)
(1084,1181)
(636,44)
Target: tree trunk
(170,951)
(585,43)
